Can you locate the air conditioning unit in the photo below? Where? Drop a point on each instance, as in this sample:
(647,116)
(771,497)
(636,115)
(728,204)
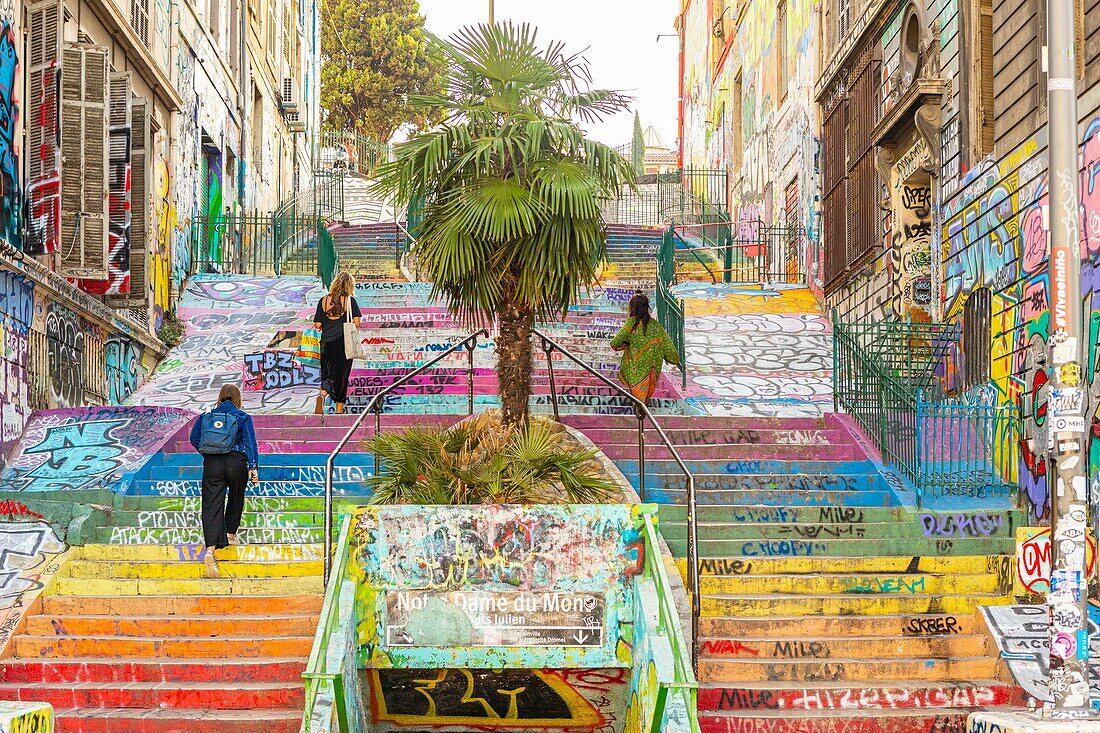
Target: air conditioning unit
(288,94)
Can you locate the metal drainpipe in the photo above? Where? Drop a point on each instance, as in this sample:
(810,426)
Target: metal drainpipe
(242,47)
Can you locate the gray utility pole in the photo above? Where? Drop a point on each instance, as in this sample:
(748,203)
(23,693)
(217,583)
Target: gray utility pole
(1069,642)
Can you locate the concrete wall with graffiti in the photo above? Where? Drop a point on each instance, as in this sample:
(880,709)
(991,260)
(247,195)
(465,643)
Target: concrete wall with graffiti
(30,555)
(26,717)
(77,454)
(62,349)
(994,237)
(748,108)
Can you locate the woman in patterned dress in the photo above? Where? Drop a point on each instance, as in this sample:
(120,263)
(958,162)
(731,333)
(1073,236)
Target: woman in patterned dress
(646,347)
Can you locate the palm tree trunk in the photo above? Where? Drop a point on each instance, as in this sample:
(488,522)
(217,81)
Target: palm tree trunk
(515,320)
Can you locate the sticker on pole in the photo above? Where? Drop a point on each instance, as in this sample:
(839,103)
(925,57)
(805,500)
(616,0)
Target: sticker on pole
(1066,401)
(1068,423)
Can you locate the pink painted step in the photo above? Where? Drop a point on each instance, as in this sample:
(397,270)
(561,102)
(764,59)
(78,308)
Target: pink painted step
(169,720)
(658,452)
(152,695)
(105,670)
(701,422)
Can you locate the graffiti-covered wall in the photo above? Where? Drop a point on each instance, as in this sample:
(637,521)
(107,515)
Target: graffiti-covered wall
(749,109)
(57,352)
(994,237)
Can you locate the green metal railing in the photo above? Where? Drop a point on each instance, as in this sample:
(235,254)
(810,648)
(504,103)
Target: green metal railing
(670,309)
(263,244)
(683,684)
(350,151)
(884,375)
(322,671)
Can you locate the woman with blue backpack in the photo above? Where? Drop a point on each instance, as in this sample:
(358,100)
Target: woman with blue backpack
(226,439)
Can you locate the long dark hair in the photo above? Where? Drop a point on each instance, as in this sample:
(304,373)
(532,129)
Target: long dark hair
(639,311)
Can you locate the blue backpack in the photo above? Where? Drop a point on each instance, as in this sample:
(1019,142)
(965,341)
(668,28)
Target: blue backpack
(220,431)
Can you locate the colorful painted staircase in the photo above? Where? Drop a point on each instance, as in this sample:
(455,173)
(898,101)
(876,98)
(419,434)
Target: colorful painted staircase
(369,251)
(132,638)
(826,607)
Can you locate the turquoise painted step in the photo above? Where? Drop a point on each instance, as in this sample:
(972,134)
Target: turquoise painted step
(161,519)
(769,482)
(776,498)
(252,503)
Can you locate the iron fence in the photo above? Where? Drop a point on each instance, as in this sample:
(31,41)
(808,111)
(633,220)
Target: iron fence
(670,309)
(263,244)
(885,376)
(350,151)
(694,196)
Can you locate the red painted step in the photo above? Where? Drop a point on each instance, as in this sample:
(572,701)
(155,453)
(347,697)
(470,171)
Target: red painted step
(106,670)
(749,697)
(288,694)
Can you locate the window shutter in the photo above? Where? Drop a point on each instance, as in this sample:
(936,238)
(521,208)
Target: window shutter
(118,185)
(139,19)
(141,145)
(44,21)
(83,245)
(986,93)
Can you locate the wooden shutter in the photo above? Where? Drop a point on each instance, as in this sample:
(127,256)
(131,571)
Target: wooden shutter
(835,200)
(864,233)
(139,19)
(141,144)
(118,184)
(985,111)
(44,21)
(83,245)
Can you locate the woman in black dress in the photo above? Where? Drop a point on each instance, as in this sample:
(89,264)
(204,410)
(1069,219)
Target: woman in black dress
(332,314)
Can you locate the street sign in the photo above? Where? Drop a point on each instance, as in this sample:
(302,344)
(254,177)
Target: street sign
(494,618)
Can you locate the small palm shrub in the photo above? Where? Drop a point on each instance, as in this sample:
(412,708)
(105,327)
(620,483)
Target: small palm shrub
(482,462)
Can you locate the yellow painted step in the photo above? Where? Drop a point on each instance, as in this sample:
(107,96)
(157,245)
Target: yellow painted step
(721,566)
(871,585)
(843,605)
(176,586)
(124,569)
(193,553)
(917,625)
(836,670)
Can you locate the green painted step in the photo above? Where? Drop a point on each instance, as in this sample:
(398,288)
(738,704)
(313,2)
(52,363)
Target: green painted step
(165,519)
(871,531)
(860,584)
(193,535)
(844,547)
(847,604)
(251,504)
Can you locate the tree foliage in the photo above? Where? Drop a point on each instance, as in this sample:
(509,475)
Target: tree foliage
(479,462)
(637,147)
(511,189)
(375,55)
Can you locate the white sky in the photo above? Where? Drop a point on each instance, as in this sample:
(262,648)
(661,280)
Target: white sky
(621,38)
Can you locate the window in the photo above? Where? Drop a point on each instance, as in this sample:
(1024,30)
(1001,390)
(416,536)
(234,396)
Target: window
(257,113)
(737,147)
(843,19)
(234,36)
(83,241)
(977,338)
(781,74)
(272,28)
(213,19)
(977,83)
(139,19)
(44,25)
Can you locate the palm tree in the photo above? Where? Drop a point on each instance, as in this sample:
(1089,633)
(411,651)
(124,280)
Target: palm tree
(510,189)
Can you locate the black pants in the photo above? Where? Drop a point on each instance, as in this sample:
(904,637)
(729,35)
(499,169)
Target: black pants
(335,370)
(228,471)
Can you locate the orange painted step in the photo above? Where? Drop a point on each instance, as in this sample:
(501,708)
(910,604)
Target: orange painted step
(173,626)
(27,646)
(130,606)
(168,720)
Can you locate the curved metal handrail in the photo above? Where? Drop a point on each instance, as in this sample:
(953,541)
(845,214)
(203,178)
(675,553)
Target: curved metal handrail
(694,253)
(640,408)
(375,405)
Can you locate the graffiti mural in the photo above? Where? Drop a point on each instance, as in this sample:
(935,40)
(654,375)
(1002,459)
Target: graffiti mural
(16,313)
(11,203)
(89,448)
(26,717)
(524,576)
(28,558)
(65,346)
(124,369)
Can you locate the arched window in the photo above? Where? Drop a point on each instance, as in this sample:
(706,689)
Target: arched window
(977,338)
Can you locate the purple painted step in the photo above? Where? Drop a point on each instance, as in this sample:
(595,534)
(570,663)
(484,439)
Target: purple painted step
(700,422)
(739,436)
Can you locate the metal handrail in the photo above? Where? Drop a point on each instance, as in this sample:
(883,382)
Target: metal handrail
(316,668)
(643,413)
(375,405)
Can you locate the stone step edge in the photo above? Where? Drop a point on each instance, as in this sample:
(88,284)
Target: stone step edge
(230,715)
(806,715)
